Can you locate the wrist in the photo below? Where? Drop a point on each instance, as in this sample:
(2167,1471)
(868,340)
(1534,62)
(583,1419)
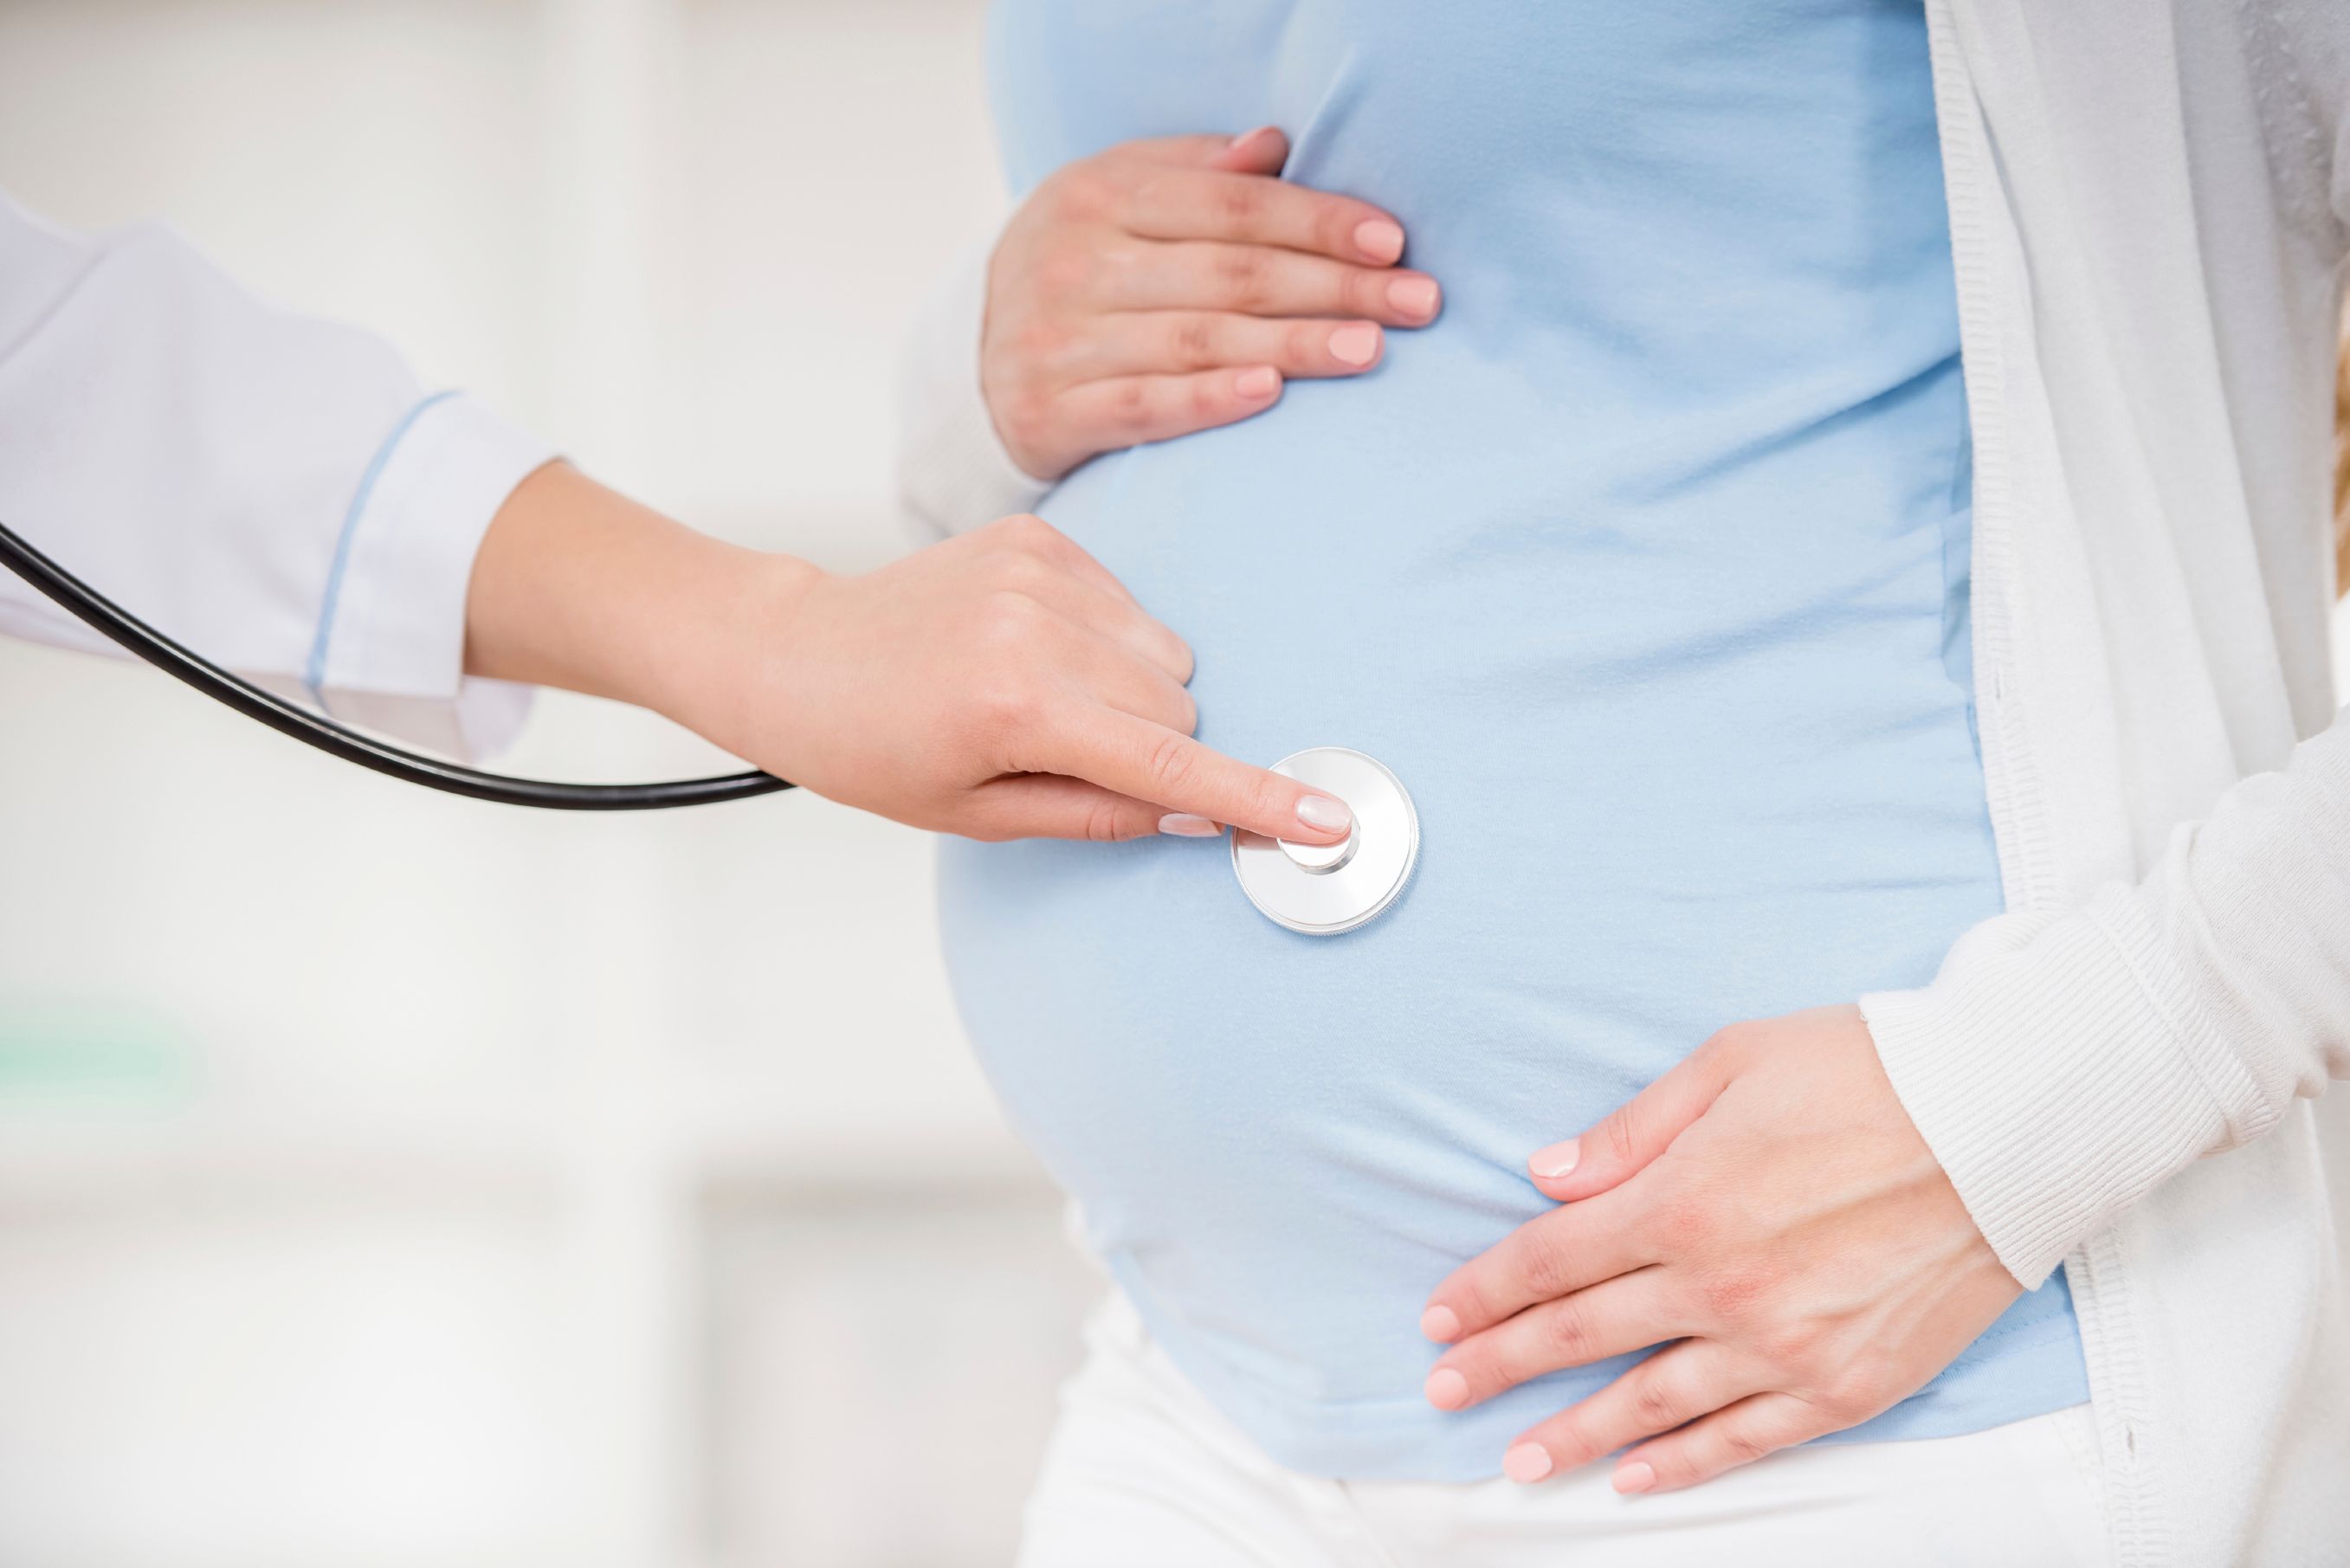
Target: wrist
(723,682)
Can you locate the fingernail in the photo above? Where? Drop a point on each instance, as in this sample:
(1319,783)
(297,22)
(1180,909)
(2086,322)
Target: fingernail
(1183,825)
(1555,1161)
(1447,1389)
(1325,814)
(1380,240)
(1526,1462)
(1257,381)
(1245,137)
(1358,344)
(1440,1324)
(1413,295)
(1635,1477)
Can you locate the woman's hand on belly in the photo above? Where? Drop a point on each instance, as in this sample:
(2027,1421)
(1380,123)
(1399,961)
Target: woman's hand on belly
(1168,285)
(1769,1205)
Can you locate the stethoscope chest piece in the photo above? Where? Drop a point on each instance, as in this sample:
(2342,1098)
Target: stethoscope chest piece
(1323,890)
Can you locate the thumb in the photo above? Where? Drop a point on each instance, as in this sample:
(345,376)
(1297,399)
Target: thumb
(1045,805)
(1634,1133)
(1260,152)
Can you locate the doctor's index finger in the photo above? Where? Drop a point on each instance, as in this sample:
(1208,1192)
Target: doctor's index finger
(1177,204)
(1147,761)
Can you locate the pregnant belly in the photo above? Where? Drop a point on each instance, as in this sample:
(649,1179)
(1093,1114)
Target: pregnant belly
(1679,760)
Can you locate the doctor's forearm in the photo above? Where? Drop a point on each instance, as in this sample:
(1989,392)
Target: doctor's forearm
(577,587)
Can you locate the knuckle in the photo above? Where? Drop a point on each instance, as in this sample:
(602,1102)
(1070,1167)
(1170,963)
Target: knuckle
(1040,340)
(1730,1294)
(1028,534)
(1656,1405)
(1540,1263)
(1103,822)
(1207,401)
(1081,191)
(1006,708)
(1168,763)
(1026,416)
(1130,408)
(1241,203)
(1246,274)
(1196,341)
(1680,1226)
(1620,1134)
(1567,1333)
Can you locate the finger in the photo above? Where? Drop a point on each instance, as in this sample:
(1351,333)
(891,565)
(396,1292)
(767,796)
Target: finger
(1128,410)
(1724,1441)
(1176,203)
(1041,806)
(1067,578)
(1635,1133)
(1677,1385)
(1260,280)
(1157,341)
(1177,775)
(1113,674)
(1615,1317)
(1547,1257)
(1260,152)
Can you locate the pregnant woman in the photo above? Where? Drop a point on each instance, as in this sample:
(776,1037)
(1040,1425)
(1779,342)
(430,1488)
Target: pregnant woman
(1647,568)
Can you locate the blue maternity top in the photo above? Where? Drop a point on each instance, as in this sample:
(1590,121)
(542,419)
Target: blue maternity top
(1646,570)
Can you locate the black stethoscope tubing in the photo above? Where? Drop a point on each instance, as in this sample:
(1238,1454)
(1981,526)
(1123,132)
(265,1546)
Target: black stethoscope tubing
(112,622)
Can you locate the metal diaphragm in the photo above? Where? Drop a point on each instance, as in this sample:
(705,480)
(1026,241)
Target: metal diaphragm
(1322,890)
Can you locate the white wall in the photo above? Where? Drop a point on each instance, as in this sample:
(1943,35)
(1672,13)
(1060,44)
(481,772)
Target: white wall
(392,1179)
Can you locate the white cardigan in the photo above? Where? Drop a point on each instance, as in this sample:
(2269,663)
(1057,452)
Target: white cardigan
(2150,212)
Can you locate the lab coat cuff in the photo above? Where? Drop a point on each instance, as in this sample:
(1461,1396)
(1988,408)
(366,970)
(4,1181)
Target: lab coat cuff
(2060,1069)
(390,645)
(953,470)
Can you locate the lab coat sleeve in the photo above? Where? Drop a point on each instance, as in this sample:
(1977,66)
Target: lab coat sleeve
(953,473)
(278,492)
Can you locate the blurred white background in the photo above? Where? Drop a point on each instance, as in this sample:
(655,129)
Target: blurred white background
(390,1180)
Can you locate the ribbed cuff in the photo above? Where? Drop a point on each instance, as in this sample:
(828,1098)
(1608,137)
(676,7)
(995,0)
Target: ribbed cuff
(391,638)
(952,469)
(2060,1069)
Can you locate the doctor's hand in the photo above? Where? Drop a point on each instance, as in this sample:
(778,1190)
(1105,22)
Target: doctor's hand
(1769,1207)
(999,685)
(1166,285)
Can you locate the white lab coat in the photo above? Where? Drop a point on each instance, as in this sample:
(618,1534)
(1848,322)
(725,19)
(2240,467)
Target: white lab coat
(279,493)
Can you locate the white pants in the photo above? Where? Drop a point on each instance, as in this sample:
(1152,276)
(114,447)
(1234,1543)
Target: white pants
(1143,1473)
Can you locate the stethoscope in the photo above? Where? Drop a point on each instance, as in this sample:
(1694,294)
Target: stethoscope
(1317,889)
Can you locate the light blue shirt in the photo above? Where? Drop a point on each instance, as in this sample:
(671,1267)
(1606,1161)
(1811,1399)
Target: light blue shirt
(1645,568)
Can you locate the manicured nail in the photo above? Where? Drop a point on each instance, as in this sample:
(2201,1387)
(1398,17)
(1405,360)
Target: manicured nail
(1526,1462)
(1355,344)
(1256,382)
(1325,814)
(1635,1477)
(1440,1324)
(1413,295)
(1183,825)
(1245,137)
(1555,1161)
(1380,240)
(1447,1389)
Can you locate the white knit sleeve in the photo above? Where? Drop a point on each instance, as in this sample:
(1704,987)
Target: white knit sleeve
(953,472)
(2060,1066)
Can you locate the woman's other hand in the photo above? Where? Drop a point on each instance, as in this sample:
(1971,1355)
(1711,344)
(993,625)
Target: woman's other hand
(1767,1206)
(1172,284)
